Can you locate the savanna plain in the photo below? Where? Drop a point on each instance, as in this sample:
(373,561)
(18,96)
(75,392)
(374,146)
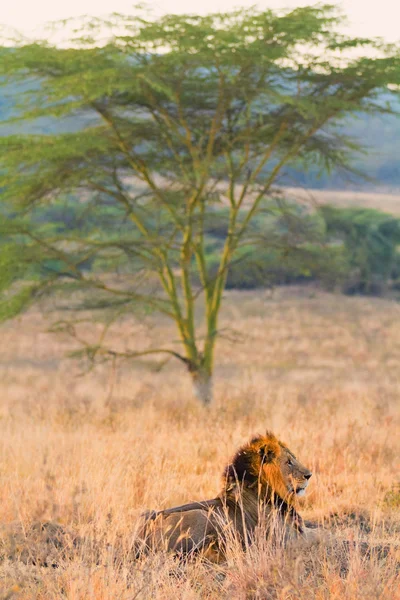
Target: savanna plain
(90,453)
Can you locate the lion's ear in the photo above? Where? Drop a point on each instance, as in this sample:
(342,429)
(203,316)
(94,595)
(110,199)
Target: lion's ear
(267,454)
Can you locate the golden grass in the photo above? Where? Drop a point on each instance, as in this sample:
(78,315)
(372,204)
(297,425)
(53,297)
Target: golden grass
(388,202)
(321,371)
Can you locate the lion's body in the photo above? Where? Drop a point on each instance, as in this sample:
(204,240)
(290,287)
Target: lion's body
(259,490)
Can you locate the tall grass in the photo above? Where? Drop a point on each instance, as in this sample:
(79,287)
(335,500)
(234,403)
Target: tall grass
(92,453)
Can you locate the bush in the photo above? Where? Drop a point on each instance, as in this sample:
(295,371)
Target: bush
(262,268)
(356,253)
(370,239)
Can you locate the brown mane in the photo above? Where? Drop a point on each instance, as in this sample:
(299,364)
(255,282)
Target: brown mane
(245,467)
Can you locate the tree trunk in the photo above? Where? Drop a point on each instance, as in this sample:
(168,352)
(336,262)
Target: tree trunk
(203,386)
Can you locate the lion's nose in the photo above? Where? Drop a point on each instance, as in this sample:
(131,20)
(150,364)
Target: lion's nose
(307,475)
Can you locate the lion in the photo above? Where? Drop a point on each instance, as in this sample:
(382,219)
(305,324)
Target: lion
(260,488)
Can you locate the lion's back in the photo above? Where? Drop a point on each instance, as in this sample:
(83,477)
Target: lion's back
(191,532)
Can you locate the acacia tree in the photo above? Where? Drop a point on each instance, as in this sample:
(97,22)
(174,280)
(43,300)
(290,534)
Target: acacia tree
(159,126)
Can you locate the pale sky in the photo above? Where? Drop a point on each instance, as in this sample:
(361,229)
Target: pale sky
(368,18)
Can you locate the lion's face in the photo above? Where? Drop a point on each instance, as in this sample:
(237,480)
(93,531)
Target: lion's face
(294,474)
(269,462)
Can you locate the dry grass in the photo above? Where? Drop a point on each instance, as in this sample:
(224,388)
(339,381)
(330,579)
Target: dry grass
(319,370)
(388,202)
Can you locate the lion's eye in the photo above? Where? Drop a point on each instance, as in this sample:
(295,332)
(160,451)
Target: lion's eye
(289,462)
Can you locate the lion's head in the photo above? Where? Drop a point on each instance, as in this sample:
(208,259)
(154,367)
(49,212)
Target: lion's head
(268,463)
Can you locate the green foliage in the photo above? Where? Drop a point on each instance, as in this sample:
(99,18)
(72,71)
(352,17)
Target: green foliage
(323,264)
(14,267)
(357,252)
(371,240)
(184,115)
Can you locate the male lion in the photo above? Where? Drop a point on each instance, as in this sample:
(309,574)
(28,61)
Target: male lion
(260,487)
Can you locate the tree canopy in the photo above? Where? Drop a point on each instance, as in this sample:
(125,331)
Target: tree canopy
(175,117)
